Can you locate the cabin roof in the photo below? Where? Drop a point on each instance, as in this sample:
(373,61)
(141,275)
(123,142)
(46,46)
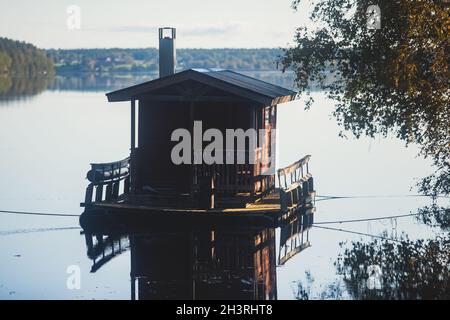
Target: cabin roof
(228,81)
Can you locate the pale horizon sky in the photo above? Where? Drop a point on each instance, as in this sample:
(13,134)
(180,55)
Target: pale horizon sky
(134,23)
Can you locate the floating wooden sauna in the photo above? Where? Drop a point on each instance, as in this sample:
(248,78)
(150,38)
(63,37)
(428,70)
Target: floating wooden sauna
(148,185)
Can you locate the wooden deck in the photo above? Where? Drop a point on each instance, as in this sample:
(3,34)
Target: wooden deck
(106,208)
(122,216)
(269,204)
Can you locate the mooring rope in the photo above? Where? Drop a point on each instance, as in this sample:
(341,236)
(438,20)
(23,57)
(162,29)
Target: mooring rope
(40,213)
(34,230)
(359,233)
(326,197)
(369,219)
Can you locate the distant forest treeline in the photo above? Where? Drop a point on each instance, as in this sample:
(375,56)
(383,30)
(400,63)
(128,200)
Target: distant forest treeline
(26,70)
(23,59)
(146,60)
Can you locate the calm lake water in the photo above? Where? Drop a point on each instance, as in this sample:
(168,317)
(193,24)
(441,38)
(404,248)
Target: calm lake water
(50,133)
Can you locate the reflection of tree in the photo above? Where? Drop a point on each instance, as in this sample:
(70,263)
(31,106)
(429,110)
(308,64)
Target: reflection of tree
(5,84)
(94,82)
(436,214)
(382,269)
(409,269)
(16,87)
(303,291)
(105,82)
(22,87)
(327,291)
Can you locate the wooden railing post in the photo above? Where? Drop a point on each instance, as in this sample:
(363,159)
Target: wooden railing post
(110,175)
(89,192)
(133,147)
(115,190)
(126,185)
(108,195)
(99,193)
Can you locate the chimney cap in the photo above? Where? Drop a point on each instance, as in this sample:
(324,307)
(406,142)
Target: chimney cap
(164,35)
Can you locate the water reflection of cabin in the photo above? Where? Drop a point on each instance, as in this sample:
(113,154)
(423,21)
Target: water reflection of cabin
(238,263)
(149,182)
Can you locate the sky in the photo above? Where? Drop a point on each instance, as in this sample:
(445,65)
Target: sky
(134,23)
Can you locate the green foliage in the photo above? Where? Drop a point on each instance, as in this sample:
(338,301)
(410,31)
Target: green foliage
(146,60)
(23,59)
(388,80)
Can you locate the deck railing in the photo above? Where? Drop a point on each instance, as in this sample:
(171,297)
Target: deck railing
(108,181)
(297,208)
(296,183)
(105,248)
(235,178)
(227,178)
(294,236)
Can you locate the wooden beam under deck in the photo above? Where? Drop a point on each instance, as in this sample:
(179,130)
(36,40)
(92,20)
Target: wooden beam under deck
(121,216)
(253,209)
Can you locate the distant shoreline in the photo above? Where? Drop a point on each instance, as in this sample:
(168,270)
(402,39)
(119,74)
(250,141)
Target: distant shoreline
(63,72)
(20,58)
(146,60)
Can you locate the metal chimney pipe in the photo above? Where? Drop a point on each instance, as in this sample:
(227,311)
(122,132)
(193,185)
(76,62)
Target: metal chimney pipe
(167,51)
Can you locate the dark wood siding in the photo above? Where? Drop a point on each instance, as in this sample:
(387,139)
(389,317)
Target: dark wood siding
(157,121)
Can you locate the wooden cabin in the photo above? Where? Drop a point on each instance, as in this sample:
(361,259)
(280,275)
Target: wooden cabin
(220,100)
(150,184)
